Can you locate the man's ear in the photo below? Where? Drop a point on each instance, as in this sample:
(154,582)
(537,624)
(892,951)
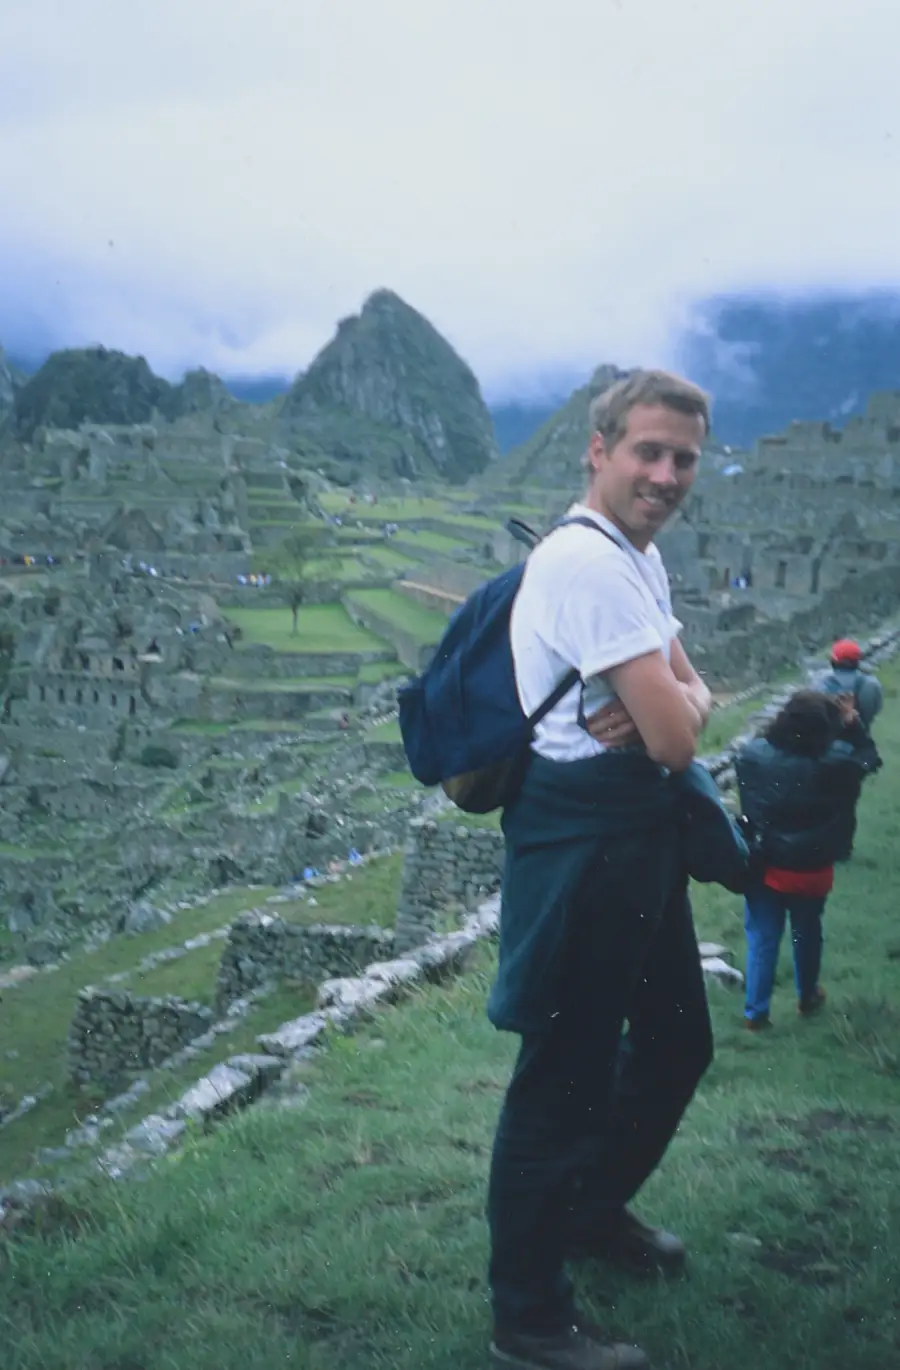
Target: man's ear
(596,450)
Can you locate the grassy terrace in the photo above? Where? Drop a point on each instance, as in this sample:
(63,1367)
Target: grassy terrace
(431,542)
(389,558)
(320,628)
(36,1015)
(350,1235)
(425,624)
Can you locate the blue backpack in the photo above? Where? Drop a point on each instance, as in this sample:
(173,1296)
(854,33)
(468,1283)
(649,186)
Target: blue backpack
(461,721)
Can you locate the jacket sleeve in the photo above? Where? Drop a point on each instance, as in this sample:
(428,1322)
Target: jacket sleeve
(852,756)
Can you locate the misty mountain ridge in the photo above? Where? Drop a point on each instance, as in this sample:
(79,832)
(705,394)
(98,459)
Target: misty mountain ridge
(765,360)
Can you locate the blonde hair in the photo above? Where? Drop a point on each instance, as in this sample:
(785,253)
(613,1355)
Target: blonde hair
(608,414)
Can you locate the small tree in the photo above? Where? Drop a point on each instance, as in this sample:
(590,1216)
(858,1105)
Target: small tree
(291,568)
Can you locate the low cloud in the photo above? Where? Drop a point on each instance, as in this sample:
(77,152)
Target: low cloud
(554,185)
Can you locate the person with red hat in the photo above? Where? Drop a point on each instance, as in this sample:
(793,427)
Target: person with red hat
(847,679)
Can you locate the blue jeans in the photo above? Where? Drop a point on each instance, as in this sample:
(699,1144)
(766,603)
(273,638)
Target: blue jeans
(764,918)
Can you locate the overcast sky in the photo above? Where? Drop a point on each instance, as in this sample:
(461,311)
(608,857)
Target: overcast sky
(554,183)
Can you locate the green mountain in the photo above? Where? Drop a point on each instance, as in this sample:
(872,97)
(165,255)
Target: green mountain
(390,396)
(552,457)
(96,385)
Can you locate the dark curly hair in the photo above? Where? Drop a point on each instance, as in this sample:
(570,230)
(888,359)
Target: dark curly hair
(806,725)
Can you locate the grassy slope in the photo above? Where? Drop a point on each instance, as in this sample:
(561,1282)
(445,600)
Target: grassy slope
(320,628)
(35,1016)
(351,1234)
(427,625)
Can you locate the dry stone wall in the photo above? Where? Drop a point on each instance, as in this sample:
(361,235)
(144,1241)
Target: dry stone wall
(445,863)
(262,949)
(114,1032)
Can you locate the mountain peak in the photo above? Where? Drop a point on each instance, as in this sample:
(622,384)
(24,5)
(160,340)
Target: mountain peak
(389,367)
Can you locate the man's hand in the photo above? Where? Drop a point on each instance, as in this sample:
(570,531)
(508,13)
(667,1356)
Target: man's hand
(699,706)
(693,687)
(847,705)
(613,726)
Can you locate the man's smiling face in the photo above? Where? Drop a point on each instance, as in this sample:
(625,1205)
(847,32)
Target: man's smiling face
(640,481)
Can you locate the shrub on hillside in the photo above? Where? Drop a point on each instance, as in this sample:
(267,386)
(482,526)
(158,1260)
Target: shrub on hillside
(154,754)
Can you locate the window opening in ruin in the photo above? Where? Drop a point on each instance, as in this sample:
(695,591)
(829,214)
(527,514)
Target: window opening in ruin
(814,581)
(96,697)
(62,694)
(77,696)
(85,662)
(726,578)
(113,701)
(780,575)
(43,694)
(131,705)
(118,664)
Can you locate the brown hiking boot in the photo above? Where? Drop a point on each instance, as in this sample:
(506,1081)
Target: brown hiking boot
(632,1243)
(579,1348)
(812,1004)
(758,1024)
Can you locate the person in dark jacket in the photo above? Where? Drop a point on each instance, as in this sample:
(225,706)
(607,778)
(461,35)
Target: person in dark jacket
(799,784)
(847,679)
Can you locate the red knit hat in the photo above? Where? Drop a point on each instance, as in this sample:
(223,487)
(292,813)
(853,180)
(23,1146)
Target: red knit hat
(846,652)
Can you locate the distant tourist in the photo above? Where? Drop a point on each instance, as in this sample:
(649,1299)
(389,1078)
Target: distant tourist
(596,929)
(799,784)
(846,679)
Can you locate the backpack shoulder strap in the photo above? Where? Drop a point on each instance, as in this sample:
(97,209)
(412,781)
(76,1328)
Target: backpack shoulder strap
(573,676)
(585,522)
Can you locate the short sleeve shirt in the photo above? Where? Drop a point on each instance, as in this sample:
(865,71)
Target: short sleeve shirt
(586,602)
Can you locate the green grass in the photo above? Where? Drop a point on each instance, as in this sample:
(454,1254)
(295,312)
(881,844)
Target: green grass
(399,780)
(388,510)
(425,624)
(351,1235)
(390,558)
(432,542)
(36,1015)
(726,723)
(320,628)
(198,728)
(14,853)
(283,684)
(373,672)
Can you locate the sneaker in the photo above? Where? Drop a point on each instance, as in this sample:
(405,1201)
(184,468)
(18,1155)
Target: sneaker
(632,1243)
(813,1003)
(758,1024)
(580,1348)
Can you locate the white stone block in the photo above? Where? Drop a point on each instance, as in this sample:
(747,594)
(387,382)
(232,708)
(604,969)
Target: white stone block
(215,1093)
(720,970)
(293,1036)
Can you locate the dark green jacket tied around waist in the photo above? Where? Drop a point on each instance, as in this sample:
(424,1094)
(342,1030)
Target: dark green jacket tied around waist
(565,821)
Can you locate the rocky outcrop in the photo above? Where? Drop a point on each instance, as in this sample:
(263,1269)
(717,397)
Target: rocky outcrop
(202,392)
(390,395)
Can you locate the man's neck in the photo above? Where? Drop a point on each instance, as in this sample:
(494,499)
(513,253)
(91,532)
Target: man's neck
(639,543)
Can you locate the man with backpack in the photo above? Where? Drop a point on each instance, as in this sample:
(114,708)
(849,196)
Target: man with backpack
(596,928)
(848,680)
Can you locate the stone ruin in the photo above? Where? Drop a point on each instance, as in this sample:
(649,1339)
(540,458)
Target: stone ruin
(114,1033)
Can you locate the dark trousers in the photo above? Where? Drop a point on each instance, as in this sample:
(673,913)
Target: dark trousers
(591,1109)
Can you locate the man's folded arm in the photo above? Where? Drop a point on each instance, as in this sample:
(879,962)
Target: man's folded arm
(664,715)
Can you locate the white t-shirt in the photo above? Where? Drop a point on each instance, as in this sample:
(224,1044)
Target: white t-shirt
(587,603)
